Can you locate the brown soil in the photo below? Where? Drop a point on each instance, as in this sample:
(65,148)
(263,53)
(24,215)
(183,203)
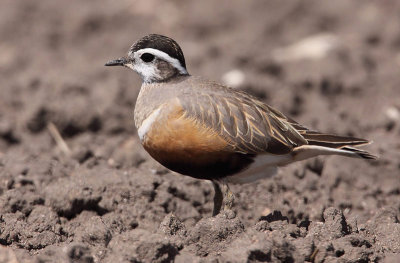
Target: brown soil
(109,202)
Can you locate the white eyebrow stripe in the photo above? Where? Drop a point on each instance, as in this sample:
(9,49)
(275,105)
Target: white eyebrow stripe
(164,56)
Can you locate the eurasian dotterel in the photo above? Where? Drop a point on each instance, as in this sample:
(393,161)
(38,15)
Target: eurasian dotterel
(203,129)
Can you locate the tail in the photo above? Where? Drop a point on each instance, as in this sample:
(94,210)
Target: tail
(359,153)
(331,140)
(329,144)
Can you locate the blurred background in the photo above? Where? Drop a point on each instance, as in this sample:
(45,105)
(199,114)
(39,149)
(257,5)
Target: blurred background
(331,65)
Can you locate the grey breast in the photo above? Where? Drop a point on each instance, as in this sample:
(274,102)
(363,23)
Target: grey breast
(153,95)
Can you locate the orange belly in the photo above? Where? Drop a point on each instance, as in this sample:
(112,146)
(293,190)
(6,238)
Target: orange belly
(188,147)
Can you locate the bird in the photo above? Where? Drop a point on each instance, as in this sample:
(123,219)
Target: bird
(203,129)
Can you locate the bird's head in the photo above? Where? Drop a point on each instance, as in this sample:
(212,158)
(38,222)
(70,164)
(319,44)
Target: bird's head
(155,58)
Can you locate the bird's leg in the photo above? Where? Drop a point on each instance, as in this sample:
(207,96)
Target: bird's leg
(229,198)
(223,196)
(218,198)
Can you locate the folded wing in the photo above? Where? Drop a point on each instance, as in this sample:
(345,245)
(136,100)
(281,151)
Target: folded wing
(249,125)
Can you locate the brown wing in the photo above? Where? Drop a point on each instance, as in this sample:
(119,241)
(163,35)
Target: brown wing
(249,125)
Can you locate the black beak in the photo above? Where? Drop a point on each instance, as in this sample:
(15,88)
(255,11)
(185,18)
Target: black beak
(116,62)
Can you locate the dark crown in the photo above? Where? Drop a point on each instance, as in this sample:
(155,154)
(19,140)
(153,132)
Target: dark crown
(162,43)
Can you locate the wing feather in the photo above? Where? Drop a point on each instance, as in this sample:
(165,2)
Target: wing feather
(249,125)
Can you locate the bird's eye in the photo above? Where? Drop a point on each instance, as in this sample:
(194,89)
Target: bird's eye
(147,57)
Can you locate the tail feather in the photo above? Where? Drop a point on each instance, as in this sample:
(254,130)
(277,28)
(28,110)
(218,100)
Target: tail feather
(307,151)
(360,153)
(333,141)
(328,144)
(320,143)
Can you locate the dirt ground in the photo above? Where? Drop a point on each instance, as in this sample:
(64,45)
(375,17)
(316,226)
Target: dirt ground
(331,65)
